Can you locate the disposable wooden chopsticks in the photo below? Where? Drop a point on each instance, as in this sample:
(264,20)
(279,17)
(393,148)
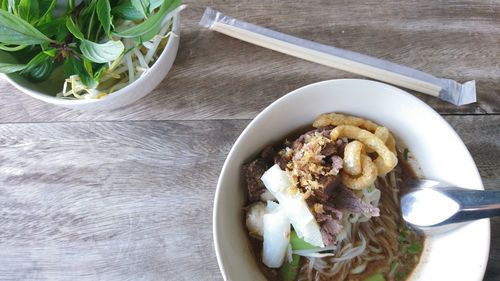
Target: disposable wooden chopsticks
(445,89)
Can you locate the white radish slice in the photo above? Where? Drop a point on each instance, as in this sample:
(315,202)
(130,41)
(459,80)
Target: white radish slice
(276,235)
(278,183)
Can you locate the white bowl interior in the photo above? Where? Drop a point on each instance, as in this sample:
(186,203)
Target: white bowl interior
(458,255)
(47,90)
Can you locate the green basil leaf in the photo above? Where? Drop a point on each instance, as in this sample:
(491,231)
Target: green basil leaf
(42,71)
(73,28)
(155,4)
(16,31)
(104,15)
(50,52)
(142,6)
(56,28)
(46,9)
(88,8)
(11,67)
(39,67)
(148,35)
(128,12)
(151,22)
(44,5)
(101,53)
(4,5)
(69,67)
(87,64)
(72,66)
(29,10)
(35,61)
(98,73)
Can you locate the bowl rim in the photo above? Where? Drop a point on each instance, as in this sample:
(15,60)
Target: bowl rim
(61,101)
(215,211)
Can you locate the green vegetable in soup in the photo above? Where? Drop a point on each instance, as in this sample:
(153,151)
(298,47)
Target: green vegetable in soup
(288,271)
(375,277)
(299,244)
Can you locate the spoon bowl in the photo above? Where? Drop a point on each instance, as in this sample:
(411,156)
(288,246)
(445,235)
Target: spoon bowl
(435,207)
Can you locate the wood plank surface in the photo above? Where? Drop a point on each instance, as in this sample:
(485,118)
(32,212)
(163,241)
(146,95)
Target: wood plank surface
(110,201)
(217,77)
(128,194)
(132,200)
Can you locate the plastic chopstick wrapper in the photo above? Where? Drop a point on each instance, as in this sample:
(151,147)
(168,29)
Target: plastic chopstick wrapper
(445,89)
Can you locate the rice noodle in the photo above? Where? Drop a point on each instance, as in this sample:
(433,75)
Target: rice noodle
(360,268)
(316,250)
(362,240)
(352,253)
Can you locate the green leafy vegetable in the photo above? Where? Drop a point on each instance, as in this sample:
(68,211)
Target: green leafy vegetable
(414,248)
(55,28)
(74,29)
(288,271)
(29,10)
(104,15)
(127,10)
(41,71)
(151,23)
(39,67)
(405,154)
(394,268)
(50,52)
(85,41)
(46,7)
(92,12)
(375,277)
(101,53)
(73,66)
(142,6)
(11,68)
(5,5)
(16,31)
(87,64)
(299,244)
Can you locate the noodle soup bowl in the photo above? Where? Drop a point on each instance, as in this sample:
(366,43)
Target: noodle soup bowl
(438,149)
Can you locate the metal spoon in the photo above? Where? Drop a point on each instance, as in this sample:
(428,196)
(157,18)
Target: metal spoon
(435,207)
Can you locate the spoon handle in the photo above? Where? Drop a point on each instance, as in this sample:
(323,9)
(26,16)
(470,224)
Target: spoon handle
(475,204)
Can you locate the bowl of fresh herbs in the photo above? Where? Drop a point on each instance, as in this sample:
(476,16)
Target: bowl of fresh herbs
(90,54)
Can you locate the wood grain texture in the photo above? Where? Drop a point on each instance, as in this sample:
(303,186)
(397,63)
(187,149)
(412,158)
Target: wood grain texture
(217,77)
(110,201)
(133,200)
(481,135)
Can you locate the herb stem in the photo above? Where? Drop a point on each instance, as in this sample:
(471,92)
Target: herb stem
(91,23)
(71,6)
(97,33)
(12,49)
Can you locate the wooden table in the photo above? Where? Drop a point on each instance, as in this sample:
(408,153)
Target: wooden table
(127,195)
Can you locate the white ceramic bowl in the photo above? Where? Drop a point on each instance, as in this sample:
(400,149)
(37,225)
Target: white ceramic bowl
(141,87)
(458,255)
